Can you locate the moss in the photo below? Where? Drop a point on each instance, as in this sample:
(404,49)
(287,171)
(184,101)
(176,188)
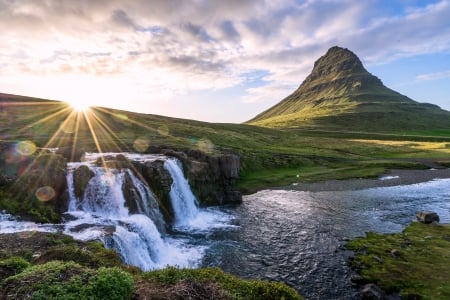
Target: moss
(232,287)
(420,263)
(28,208)
(68,280)
(12,266)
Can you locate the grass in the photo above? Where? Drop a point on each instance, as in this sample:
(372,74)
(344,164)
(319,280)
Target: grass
(420,265)
(55,266)
(269,157)
(231,286)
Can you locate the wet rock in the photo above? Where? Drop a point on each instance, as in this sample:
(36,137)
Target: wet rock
(371,291)
(114,162)
(71,153)
(357,279)
(81,177)
(160,182)
(131,195)
(213,177)
(427,217)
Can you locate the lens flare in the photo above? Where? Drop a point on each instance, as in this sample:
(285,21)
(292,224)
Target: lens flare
(205,145)
(141,144)
(163,130)
(26,148)
(45,193)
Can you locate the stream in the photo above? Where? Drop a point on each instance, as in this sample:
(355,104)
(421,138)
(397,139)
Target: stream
(290,236)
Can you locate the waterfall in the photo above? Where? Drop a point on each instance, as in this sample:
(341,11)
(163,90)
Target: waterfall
(188,216)
(132,224)
(183,201)
(102,213)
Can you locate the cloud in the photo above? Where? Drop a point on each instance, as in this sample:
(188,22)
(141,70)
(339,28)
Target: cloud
(433,76)
(184,46)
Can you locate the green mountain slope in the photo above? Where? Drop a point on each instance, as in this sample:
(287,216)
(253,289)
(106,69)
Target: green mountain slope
(340,94)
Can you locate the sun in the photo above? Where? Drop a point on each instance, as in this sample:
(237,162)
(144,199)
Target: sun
(78,105)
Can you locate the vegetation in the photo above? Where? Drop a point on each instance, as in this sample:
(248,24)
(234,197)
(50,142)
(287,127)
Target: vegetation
(229,286)
(341,95)
(269,157)
(414,262)
(55,266)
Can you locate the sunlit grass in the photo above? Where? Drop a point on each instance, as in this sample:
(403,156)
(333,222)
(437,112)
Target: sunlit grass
(269,156)
(421,266)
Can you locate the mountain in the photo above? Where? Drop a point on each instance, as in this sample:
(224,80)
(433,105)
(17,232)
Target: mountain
(340,94)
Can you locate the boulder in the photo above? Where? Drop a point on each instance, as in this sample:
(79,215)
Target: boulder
(371,291)
(160,182)
(427,217)
(132,197)
(81,177)
(213,177)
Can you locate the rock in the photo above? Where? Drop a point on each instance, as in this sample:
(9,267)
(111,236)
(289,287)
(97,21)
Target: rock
(131,195)
(114,162)
(371,291)
(160,182)
(357,279)
(81,177)
(427,217)
(395,253)
(44,180)
(213,177)
(377,258)
(72,154)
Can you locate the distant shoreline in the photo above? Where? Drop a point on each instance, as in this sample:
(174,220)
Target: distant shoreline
(392,178)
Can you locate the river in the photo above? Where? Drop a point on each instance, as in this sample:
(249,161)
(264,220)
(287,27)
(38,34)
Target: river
(297,237)
(290,236)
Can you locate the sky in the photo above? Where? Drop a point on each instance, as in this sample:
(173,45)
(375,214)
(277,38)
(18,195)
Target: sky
(214,60)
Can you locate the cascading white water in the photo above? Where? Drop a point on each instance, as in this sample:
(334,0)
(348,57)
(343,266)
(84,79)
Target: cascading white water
(147,204)
(102,214)
(188,216)
(183,201)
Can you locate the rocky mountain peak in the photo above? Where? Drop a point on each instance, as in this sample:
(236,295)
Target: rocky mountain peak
(337,63)
(341,94)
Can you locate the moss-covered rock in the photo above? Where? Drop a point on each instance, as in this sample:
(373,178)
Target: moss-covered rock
(81,177)
(40,192)
(415,262)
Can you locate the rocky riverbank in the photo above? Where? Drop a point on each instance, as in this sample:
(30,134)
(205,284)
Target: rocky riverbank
(33,183)
(413,264)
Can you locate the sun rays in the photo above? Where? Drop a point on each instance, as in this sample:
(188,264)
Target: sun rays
(35,127)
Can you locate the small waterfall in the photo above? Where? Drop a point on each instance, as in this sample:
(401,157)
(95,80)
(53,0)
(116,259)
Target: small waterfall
(103,195)
(183,201)
(139,237)
(146,202)
(188,216)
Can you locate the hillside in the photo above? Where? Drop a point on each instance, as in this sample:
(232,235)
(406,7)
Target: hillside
(268,157)
(340,94)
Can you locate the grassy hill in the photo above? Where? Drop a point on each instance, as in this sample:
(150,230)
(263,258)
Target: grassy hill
(340,94)
(269,157)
